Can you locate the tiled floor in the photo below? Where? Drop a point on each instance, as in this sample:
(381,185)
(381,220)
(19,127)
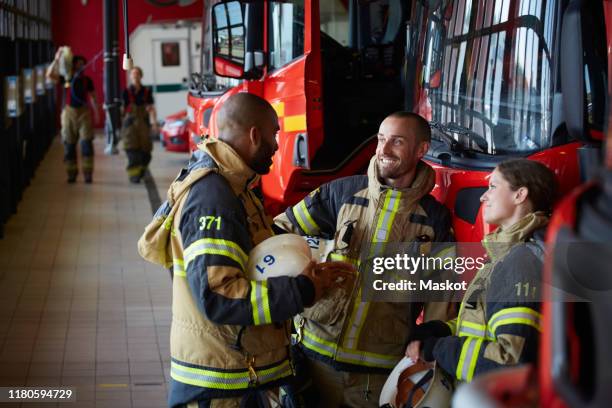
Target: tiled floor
(78,306)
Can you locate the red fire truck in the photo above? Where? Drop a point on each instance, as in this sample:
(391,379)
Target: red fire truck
(496,79)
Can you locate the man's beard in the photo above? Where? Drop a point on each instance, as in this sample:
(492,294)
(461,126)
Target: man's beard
(262,161)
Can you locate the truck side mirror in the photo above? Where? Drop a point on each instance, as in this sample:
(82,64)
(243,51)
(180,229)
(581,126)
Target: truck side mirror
(228,31)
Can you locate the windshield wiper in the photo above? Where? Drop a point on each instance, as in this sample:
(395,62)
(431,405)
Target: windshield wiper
(472,136)
(443,136)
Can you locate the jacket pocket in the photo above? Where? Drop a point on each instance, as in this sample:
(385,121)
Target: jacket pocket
(328,309)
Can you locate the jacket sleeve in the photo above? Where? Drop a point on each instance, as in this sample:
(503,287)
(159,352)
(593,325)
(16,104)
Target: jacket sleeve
(314,215)
(216,241)
(513,323)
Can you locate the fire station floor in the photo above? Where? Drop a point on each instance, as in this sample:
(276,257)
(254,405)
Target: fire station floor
(78,306)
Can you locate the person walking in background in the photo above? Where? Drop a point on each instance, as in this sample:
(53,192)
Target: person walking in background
(138,120)
(76,119)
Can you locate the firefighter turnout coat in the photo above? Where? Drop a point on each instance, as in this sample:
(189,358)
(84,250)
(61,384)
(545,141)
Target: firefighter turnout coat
(357,211)
(229,335)
(499,320)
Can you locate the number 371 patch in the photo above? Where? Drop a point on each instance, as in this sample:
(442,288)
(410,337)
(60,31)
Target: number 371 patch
(209,222)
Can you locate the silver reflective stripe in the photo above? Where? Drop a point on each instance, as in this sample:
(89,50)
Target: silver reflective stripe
(227,380)
(468,358)
(214,247)
(320,347)
(260,303)
(259,300)
(498,321)
(470,331)
(387,215)
(358,318)
(243,380)
(348,356)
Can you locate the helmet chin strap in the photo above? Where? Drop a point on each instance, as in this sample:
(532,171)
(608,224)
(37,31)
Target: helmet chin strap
(417,387)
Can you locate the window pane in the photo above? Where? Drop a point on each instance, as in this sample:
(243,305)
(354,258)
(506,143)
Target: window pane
(235,13)
(492,72)
(286,34)
(220,16)
(334,20)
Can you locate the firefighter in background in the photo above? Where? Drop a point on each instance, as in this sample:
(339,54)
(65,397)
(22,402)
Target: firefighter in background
(139,116)
(351,345)
(76,120)
(499,318)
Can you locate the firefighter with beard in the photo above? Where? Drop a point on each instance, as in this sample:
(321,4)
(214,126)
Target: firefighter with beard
(229,339)
(349,343)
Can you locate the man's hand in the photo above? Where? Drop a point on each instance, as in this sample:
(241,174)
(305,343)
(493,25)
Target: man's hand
(328,275)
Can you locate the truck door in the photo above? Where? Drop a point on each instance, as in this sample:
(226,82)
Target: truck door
(293,86)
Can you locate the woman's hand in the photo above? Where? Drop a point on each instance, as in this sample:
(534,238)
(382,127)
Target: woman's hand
(413,350)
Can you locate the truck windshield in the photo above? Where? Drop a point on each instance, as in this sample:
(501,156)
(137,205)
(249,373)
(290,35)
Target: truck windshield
(486,74)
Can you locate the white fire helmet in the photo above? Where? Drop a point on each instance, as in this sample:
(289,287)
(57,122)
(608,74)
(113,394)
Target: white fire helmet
(319,247)
(285,255)
(423,385)
(65,63)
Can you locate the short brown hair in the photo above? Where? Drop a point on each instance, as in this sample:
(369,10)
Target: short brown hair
(136,67)
(537,178)
(421,126)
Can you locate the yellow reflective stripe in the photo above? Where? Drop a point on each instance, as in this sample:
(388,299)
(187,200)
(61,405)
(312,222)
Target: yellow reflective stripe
(444,253)
(260,303)
(339,257)
(294,123)
(317,344)
(178,268)
(304,219)
(514,315)
(472,329)
(214,246)
(464,351)
(225,380)
(468,358)
(358,318)
(134,171)
(364,358)
(452,325)
(381,235)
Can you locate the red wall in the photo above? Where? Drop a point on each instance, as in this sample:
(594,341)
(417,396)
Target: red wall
(82,28)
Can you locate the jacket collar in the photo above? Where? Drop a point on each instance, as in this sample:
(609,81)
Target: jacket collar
(499,242)
(230,164)
(422,185)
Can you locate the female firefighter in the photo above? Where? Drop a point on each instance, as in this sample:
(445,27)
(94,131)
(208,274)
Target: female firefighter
(499,320)
(139,116)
